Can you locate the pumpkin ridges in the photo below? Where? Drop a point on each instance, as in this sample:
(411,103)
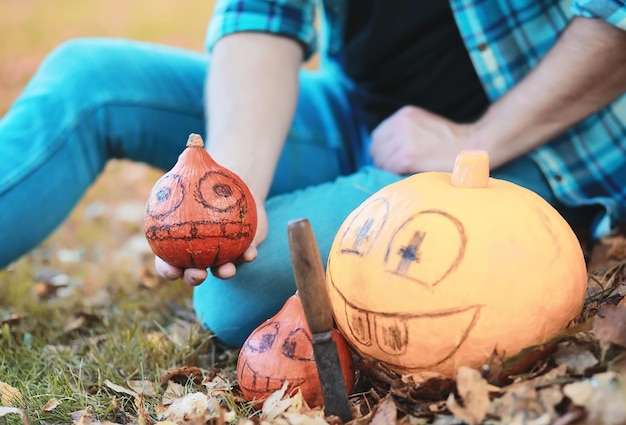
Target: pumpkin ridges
(199,214)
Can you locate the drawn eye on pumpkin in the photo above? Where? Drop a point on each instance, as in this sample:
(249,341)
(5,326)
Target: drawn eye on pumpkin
(363,230)
(265,338)
(166,196)
(426,257)
(297,346)
(219,192)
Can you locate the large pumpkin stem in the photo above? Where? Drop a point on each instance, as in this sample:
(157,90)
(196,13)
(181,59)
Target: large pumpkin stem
(195,141)
(471,169)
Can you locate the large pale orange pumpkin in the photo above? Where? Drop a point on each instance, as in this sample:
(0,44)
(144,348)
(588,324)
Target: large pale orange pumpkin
(199,214)
(281,350)
(440,269)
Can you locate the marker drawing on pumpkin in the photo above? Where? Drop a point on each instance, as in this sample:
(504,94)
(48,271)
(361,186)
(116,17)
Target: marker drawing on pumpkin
(390,332)
(556,243)
(219,192)
(295,346)
(410,252)
(166,196)
(411,247)
(363,229)
(215,192)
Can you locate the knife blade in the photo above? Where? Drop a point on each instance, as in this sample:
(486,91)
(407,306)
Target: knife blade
(310,281)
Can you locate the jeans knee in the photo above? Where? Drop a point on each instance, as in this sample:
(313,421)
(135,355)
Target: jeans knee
(81,66)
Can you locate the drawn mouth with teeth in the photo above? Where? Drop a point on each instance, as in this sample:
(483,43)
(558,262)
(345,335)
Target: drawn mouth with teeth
(263,385)
(390,333)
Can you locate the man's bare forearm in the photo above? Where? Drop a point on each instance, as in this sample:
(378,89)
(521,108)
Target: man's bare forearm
(251,95)
(584,72)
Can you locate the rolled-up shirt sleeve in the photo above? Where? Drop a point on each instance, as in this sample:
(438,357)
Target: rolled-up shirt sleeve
(290,18)
(611,11)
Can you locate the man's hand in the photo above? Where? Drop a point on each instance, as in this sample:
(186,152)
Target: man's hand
(251,96)
(414,140)
(194,277)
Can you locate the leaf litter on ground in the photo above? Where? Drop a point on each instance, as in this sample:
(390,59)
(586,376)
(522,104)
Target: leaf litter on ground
(135,354)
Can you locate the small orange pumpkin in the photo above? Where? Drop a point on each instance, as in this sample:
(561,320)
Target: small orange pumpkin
(199,214)
(281,350)
(439,270)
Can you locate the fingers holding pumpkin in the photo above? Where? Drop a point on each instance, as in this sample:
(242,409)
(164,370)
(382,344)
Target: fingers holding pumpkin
(192,277)
(228,270)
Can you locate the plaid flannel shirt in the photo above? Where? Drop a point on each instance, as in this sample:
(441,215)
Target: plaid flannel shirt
(505,40)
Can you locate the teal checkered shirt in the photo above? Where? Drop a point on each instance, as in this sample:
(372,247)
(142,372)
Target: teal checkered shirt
(505,40)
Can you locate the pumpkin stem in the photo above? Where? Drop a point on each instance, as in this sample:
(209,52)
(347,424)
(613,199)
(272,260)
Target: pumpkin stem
(471,169)
(195,141)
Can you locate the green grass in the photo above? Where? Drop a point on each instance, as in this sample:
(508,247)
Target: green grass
(43,359)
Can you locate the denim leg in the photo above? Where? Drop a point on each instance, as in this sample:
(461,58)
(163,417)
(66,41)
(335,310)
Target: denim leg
(231,309)
(90,100)
(313,180)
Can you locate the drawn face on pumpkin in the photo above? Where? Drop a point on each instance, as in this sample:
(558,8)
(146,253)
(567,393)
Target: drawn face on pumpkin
(288,348)
(217,192)
(406,252)
(199,223)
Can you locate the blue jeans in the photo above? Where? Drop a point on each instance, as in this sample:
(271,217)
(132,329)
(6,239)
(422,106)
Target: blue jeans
(96,99)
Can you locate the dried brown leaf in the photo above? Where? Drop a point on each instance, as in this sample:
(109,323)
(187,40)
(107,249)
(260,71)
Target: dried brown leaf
(617,247)
(13,319)
(602,396)
(81,320)
(424,386)
(195,408)
(293,418)
(119,388)
(173,392)
(52,404)
(386,412)
(182,331)
(143,417)
(159,340)
(556,375)
(275,405)
(609,325)
(577,358)
(114,404)
(473,390)
(142,387)
(9,396)
(15,411)
(606,252)
(183,375)
(84,417)
(50,287)
(524,404)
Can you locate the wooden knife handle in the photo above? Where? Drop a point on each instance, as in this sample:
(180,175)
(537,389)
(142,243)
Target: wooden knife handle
(309,275)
